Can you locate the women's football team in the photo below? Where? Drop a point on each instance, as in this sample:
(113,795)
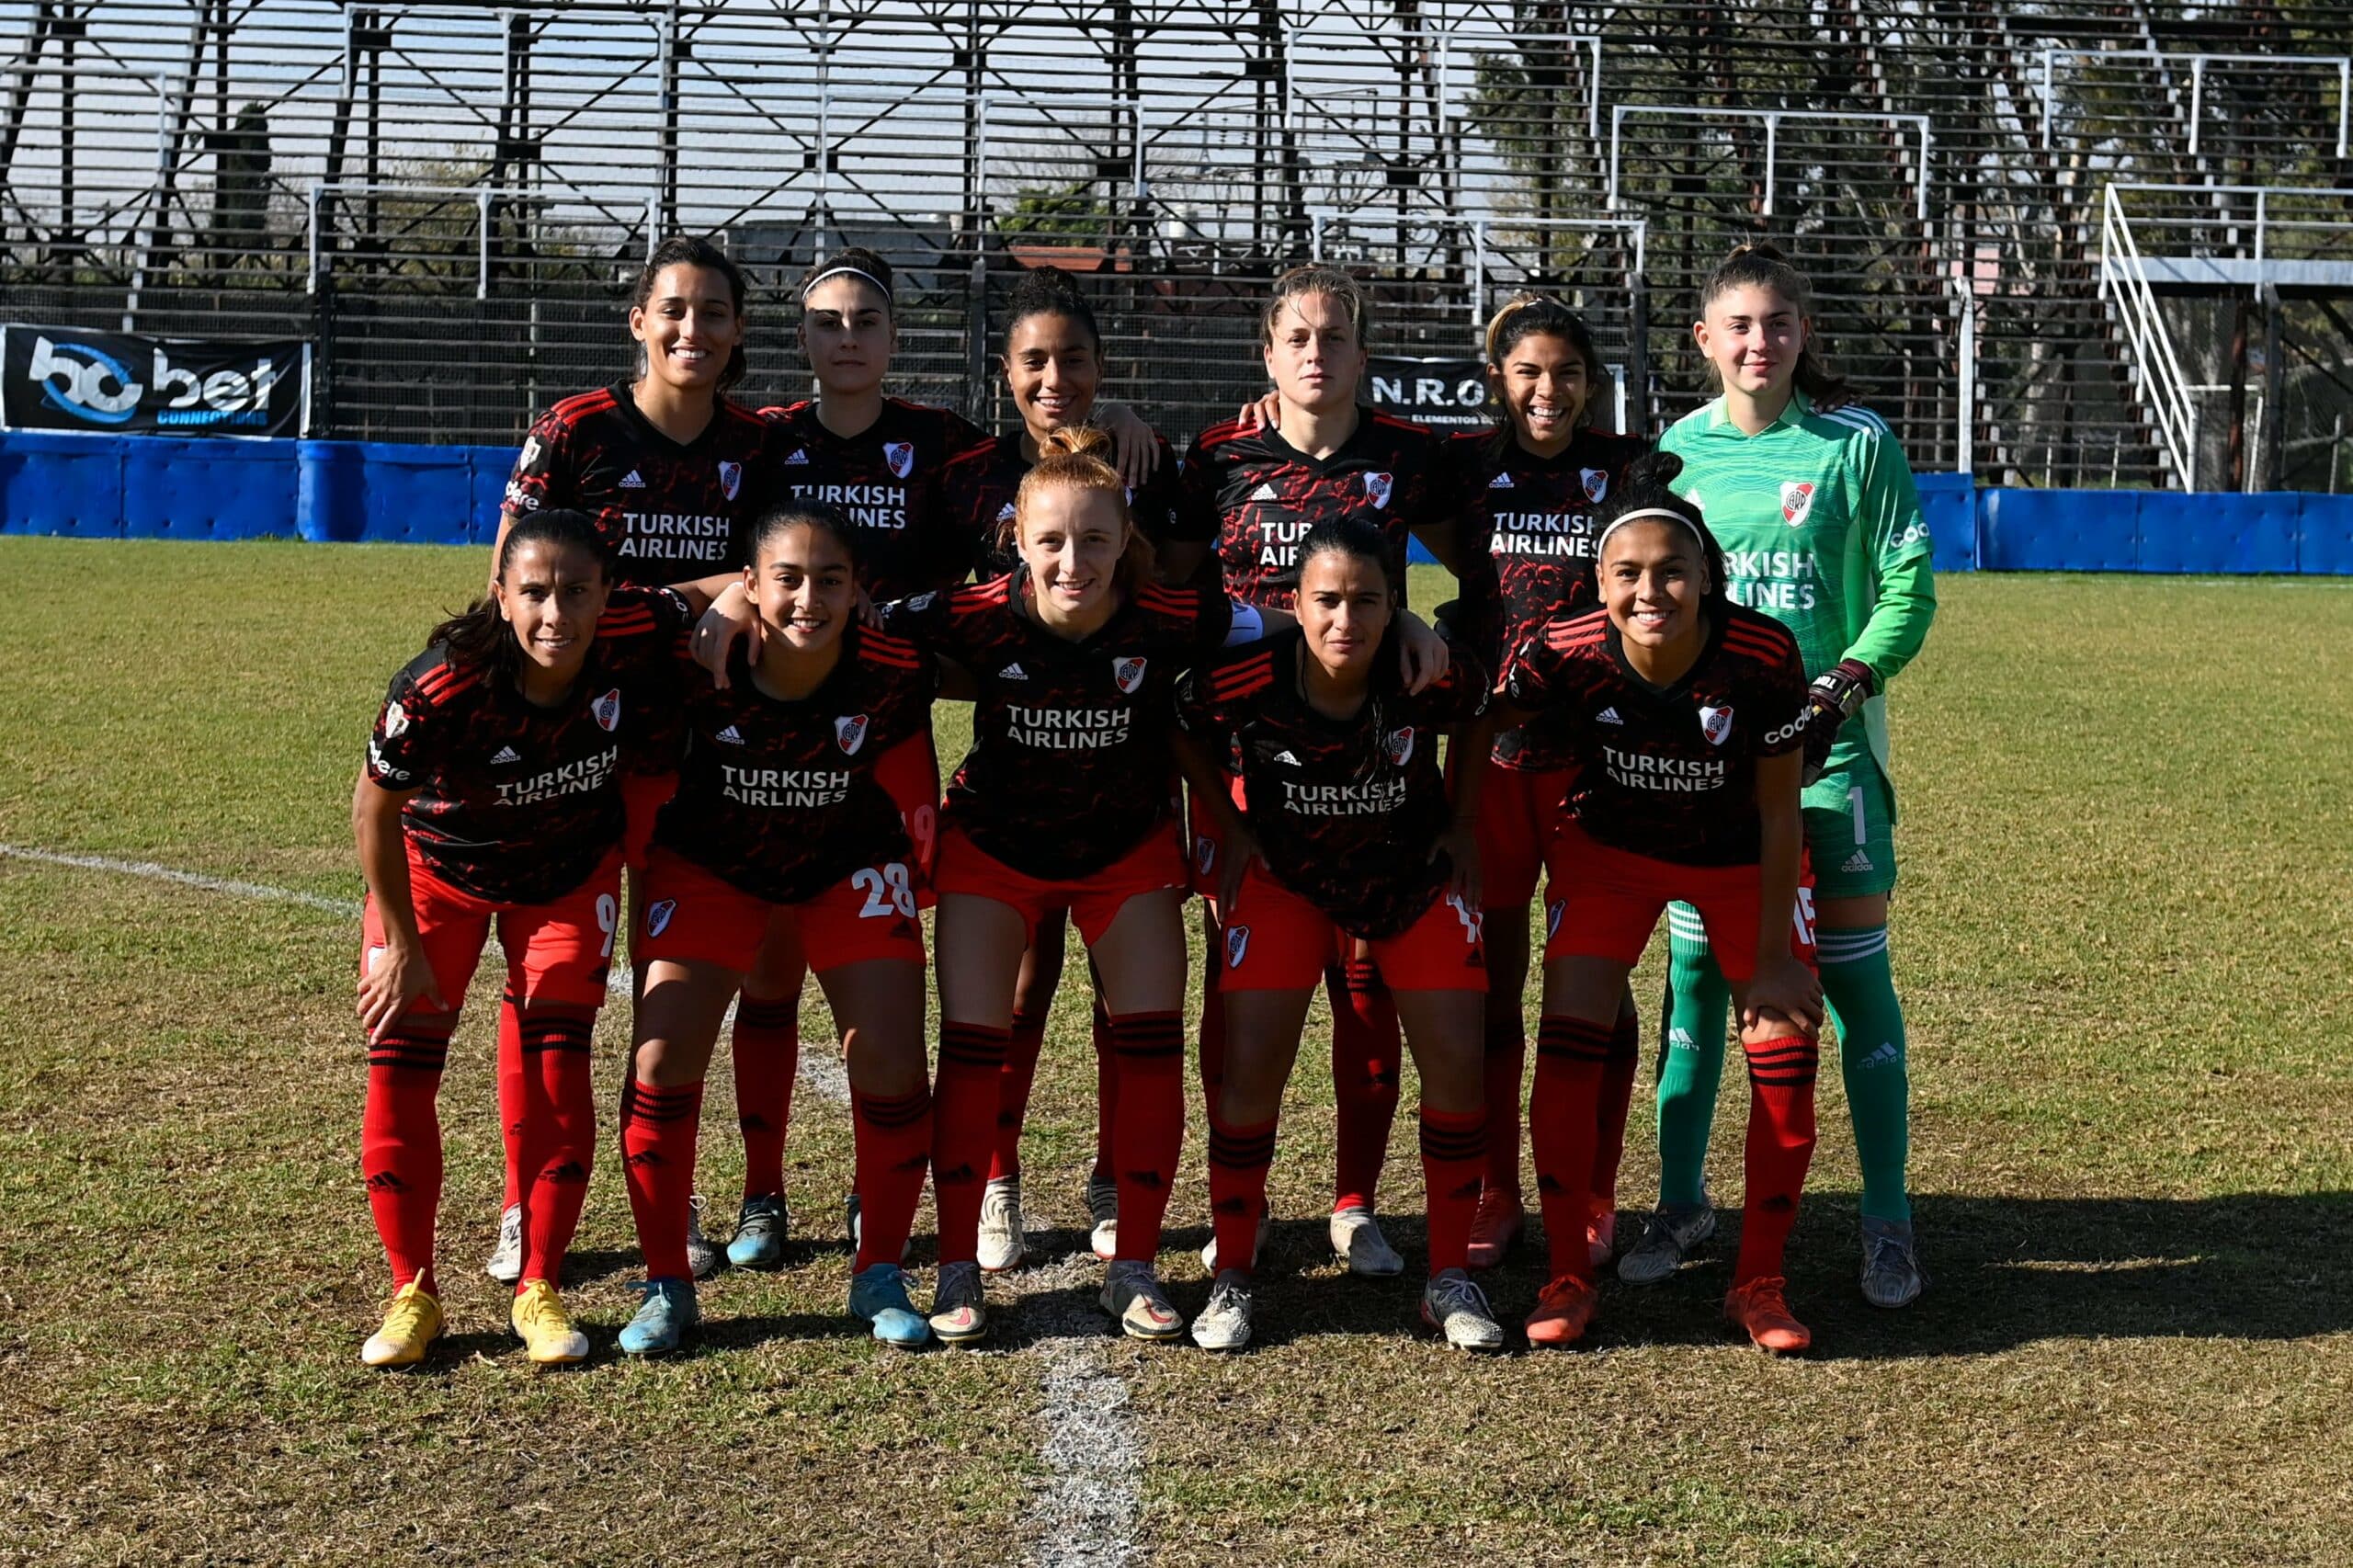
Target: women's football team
(706,665)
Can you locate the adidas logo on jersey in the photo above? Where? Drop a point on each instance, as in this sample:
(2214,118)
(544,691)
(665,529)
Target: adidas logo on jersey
(799,458)
(506,753)
(1265,493)
(1286,758)
(633,480)
(1501,481)
(1608,716)
(1013,672)
(1857,861)
(730,736)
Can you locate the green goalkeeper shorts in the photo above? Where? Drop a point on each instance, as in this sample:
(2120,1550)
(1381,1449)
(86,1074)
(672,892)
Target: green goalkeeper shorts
(1850,831)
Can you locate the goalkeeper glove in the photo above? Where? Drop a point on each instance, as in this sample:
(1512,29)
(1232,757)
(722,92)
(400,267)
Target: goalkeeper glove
(1835,695)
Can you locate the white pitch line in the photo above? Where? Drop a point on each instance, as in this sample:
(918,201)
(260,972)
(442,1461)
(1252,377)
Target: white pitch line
(154,872)
(822,1072)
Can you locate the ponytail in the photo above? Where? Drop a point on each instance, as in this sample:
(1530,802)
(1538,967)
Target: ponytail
(1763,265)
(1074,458)
(1647,490)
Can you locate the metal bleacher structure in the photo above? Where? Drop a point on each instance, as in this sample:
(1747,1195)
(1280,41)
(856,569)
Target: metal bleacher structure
(2056,245)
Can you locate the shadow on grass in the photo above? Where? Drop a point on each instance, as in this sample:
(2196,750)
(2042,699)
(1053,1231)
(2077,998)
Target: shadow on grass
(2004,1273)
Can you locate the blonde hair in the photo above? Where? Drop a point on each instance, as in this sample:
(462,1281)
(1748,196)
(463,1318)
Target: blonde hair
(1073,458)
(1302,281)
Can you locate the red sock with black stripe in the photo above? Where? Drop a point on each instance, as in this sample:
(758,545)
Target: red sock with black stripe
(1107,1095)
(400,1140)
(767,1048)
(963,1130)
(1780,1147)
(1571,1056)
(658,1166)
(893,1139)
(1501,1069)
(1617,1095)
(1368,1052)
(1454,1158)
(1014,1081)
(559,1141)
(1211,1065)
(1150,1134)
(1239,1160)
(510,1097)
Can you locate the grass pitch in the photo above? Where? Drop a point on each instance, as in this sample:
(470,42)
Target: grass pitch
(2122,937)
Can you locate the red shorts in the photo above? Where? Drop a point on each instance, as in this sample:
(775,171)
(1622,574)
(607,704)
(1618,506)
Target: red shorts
(1206,846)
(642,797)
(1154,865)
(909,774)
(556,951)
(1612,907)
(1519,809)
(1275,941)
(691,915)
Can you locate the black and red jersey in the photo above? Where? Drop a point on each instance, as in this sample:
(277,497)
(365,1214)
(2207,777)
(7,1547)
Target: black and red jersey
(668,510)
(982,484)
(1070,766)
(1263,495)
(517,803)
(890,479)
(1345,809)
(780,799)
(1525,535)
(1668,771)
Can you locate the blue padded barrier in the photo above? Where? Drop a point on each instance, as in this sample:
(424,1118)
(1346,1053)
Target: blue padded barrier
(166,487)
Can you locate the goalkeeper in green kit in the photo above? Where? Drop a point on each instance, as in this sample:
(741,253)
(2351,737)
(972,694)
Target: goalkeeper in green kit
(1820,528)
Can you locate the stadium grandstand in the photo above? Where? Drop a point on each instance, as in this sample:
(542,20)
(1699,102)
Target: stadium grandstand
(2057,244)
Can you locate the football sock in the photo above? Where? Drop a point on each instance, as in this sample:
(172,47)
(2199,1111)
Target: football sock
(1860,989)
(1617,1097)
(963,1129)
(510,1095)
(767,1048)
(1692,1056)
(1150,1134)
(893,1141)
(1368,1050)
(658,1167)
(1454,1156)
(400,1140)
(1780,1146)
(1505,1061)
(1239,1158)
(1212,1058)
(1564,1130)
(559,1141)
(1014,1081)
(1106,1094)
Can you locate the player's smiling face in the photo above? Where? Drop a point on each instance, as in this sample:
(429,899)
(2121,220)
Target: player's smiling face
(1313,357)
(1072,541)
(1344,610)
(689,326)
(551,596)
(803,588)
(1544,383)
(1652,581)
(847,332)
(1752,335)
(1051,366)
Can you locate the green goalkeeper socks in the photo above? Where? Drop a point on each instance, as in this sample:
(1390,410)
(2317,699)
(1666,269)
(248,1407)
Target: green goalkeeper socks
(1860,989)
(1698,1007)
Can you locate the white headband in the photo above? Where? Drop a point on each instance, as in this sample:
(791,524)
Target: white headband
(1641,513)
(844,271)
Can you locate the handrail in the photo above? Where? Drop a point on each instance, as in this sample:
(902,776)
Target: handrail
(2123,278)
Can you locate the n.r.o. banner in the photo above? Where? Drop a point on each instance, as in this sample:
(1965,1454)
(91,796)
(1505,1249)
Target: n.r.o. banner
(1446,394)
(119,384)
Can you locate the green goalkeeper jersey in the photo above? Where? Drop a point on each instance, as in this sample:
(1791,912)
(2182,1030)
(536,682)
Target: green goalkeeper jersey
(1820,528)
